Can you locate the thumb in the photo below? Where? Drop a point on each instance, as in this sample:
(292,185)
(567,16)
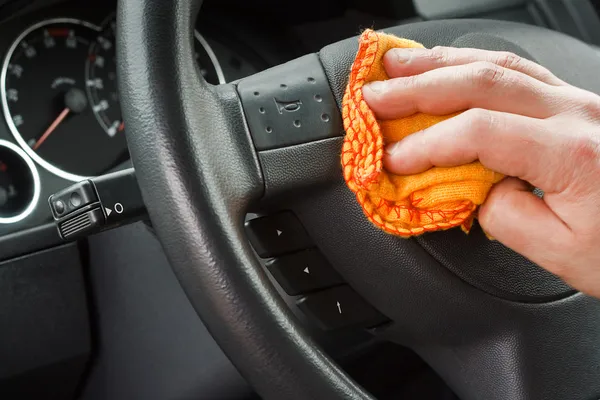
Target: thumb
(520,220)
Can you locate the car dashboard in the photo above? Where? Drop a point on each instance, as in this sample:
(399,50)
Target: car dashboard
(105,317)
(60,102)
(58,82)
(62,303)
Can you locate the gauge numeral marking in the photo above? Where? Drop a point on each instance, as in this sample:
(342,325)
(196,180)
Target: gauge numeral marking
(99,61)
(12,95)
(29,51)
(104,43)
(71,41)
(98,83)
(114,128)
(12,192)
(18,120)
(49,41)
(62,80)
(101,106)
(15,69)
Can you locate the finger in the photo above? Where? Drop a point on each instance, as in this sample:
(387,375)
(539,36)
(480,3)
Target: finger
(406,62)
(513,215)
(451,89)
(507,143)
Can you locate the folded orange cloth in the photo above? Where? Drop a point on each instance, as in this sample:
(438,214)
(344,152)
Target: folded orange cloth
(437,199)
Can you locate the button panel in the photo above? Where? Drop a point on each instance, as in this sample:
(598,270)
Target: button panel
(73,198)
(340,307)
(277,234)
(289,104)
(303,272)
(301,269)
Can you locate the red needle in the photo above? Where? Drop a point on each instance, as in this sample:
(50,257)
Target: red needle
(51,128)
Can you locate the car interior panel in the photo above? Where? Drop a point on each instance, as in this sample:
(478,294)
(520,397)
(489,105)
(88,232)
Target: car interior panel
(174,223)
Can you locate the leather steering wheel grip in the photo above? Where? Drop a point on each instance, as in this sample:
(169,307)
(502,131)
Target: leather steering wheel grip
(188,143)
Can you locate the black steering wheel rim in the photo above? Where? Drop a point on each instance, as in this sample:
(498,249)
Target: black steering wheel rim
(217,235)
(199,174)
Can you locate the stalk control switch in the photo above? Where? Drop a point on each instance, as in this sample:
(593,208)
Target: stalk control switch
(97,204)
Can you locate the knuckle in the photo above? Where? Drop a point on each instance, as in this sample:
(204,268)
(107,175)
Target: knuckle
(509,60)
(479,120)
(438,54)
(586,149)
(487,75)
(590,105)
(581,166)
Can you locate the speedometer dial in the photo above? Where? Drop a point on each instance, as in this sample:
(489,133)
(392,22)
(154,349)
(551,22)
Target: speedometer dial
(45,101)
(60,96)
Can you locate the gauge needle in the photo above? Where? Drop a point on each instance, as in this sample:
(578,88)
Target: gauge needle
(75,102)
(52,127)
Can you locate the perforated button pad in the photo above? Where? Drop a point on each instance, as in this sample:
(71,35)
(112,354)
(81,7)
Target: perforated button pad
(290,104)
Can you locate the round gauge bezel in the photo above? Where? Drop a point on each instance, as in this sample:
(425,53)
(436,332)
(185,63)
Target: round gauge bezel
(3,75)
(37,186)
(7,115)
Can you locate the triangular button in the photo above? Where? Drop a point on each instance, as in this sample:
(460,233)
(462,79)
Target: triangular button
(306,270)
(279,232)
(108,211)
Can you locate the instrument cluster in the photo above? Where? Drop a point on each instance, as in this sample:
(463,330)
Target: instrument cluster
(61,108)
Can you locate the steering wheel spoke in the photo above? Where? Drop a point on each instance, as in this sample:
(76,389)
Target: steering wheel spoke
(295,124)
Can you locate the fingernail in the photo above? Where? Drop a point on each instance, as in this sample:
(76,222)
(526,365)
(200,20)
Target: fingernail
(392,148)
(377,86)
(402,56)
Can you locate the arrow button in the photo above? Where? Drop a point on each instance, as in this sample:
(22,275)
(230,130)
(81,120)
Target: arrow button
(303,272)
(340,307)
(276,234)
(108,211)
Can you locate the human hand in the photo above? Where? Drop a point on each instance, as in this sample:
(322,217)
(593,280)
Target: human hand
(521,121)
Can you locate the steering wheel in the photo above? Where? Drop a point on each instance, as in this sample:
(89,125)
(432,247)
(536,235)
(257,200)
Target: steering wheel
(492,324)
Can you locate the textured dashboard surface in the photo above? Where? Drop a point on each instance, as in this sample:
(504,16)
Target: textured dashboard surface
(152,343)
(45,335)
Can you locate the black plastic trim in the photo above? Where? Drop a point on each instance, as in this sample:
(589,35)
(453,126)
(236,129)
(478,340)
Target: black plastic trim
(29,241)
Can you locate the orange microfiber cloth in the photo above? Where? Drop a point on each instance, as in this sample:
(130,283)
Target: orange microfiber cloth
(437,199)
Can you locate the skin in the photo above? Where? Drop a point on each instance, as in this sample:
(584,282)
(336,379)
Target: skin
(521,121)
